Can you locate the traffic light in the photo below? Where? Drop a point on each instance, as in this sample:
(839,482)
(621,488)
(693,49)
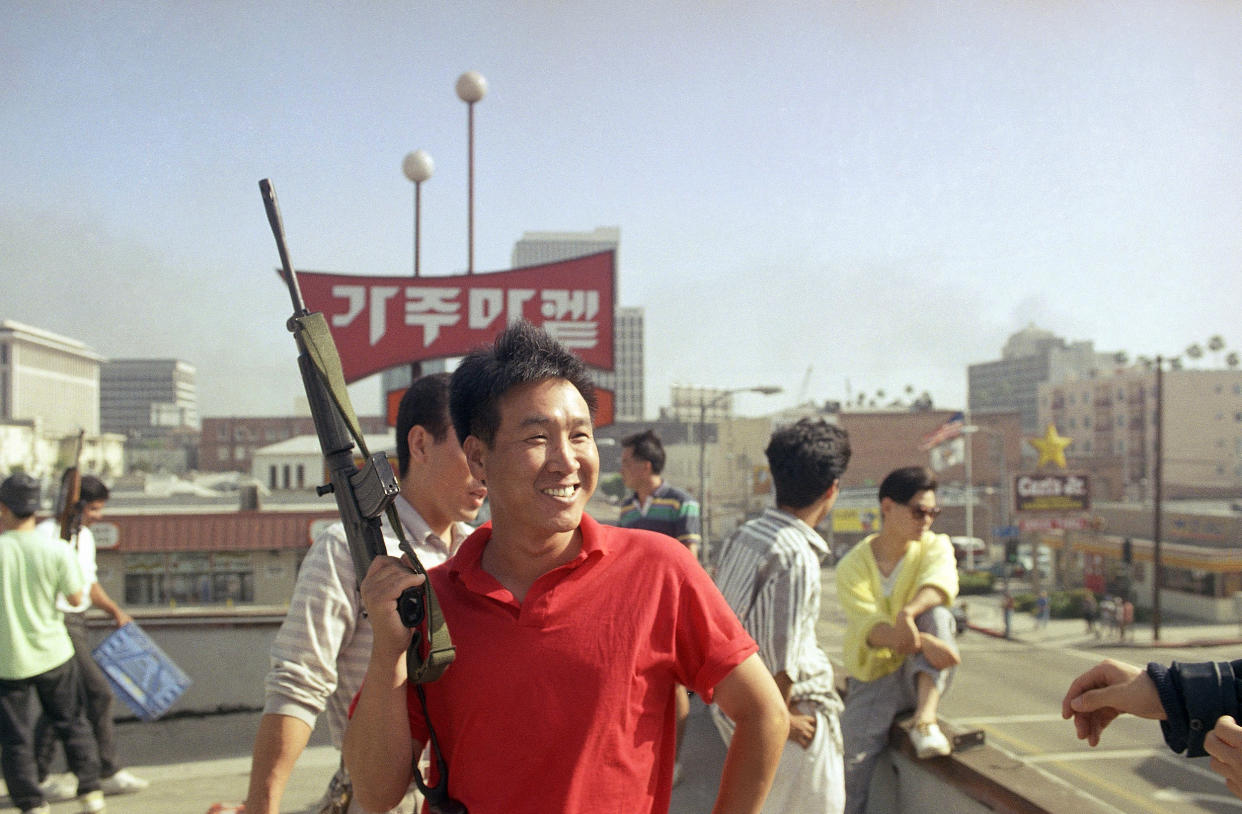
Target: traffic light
(1127,551)
(1011,551)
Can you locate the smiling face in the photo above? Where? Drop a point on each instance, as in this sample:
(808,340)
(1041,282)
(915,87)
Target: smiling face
(543,464)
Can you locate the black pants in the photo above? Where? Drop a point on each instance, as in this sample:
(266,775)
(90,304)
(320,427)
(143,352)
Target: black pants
(59,695)
(96,703)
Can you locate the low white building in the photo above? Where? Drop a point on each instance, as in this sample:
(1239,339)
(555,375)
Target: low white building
(297,463)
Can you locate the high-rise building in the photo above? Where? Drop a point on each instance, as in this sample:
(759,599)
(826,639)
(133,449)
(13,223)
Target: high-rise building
(1031,357)
(50,379)
(548,247)
(148,398)
(399,378)
(1111,420)
(626,379)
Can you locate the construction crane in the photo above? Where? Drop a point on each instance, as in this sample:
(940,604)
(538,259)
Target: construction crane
(806,384)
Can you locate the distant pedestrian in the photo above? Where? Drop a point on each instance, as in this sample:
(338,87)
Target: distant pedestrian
(1090,610)
(1007,605)
(96,692)
(36,653)
(1043,610)
(1125,618)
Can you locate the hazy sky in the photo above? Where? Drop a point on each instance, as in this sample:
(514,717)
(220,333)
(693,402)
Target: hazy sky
(878,191)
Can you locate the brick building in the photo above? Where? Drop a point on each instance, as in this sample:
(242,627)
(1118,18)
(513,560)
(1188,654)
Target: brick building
(228,444)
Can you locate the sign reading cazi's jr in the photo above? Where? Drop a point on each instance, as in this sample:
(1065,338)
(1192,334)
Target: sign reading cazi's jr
(1052,493)
(381,322)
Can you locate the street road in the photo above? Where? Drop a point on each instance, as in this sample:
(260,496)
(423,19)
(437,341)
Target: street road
(1013,692)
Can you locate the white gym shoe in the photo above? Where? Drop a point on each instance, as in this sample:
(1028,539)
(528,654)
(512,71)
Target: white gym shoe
(123,782)
(56,788)
(929,741)
(92,802)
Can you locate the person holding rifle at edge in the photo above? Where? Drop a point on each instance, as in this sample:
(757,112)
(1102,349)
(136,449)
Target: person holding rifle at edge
(74,527)
(321,651)
(36,654)
(571,637)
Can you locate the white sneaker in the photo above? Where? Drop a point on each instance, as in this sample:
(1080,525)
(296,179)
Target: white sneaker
(56,788)
(123,782)
(929,741)
(92,802)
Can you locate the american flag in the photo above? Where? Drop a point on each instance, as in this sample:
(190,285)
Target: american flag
(945,432)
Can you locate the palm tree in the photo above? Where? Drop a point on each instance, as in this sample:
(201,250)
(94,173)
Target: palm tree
(1195,351)
(1121,358)
(1216,344)
(1232,360)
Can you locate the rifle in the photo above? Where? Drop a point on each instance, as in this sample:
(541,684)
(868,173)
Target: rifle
(70,500)
(362,495)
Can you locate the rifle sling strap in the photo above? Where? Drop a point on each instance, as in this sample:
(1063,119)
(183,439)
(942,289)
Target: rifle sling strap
(312,334)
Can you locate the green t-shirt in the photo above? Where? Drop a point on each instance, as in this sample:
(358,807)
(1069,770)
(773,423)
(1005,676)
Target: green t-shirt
(33,571)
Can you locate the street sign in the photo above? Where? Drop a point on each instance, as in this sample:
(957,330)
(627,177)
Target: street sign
(1005,531)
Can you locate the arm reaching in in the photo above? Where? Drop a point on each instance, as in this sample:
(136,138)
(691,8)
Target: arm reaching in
(1224,744)
(378,749)
(1105,691)
(749,696)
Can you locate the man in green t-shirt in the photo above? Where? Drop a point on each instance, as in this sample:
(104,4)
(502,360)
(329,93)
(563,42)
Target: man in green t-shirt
(36,654)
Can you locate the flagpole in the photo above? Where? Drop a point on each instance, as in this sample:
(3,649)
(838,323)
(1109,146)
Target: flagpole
(970,495)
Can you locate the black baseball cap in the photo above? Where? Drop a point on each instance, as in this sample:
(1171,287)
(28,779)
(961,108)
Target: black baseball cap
(20,493)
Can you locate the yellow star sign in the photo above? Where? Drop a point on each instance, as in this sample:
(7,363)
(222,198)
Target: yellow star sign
(1051,447)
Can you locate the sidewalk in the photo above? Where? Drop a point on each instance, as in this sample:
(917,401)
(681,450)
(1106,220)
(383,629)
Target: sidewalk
(193,762)
(986,617)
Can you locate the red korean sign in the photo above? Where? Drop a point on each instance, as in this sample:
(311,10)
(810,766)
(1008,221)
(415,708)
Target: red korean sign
(382,322)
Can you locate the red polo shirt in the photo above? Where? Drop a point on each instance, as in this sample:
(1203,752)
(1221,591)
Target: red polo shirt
(565,702)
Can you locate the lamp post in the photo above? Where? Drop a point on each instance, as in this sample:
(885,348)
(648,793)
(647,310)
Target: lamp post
(471,87)
(1157,571)
(418,167)
(704,406)
(968,430)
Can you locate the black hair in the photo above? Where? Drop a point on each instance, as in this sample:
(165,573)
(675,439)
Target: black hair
(92,489)
(646,446)
(806,458)
(424,404)
(521,354)
(901,485)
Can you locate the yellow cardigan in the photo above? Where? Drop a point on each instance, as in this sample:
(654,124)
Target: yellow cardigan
(928,561)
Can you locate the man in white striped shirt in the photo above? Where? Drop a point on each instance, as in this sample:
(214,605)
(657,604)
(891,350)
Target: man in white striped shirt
(769,571)
(320,654)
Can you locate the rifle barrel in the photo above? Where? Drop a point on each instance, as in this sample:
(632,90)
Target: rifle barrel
(278,231)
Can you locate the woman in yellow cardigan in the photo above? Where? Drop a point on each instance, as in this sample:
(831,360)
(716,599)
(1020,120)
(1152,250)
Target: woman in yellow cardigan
(896,587)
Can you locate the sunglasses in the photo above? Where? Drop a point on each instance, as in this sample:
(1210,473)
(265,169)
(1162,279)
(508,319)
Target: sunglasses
(922,512)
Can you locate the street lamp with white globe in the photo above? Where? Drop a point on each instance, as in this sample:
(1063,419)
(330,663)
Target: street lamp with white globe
(471,87)
(418,167)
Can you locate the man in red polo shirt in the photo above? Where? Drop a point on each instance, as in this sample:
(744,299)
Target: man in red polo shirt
(571,636)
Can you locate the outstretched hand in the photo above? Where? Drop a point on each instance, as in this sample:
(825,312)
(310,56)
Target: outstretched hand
(1224,744)
(1105,691)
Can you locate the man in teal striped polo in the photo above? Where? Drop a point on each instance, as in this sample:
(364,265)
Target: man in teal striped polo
(654,504)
